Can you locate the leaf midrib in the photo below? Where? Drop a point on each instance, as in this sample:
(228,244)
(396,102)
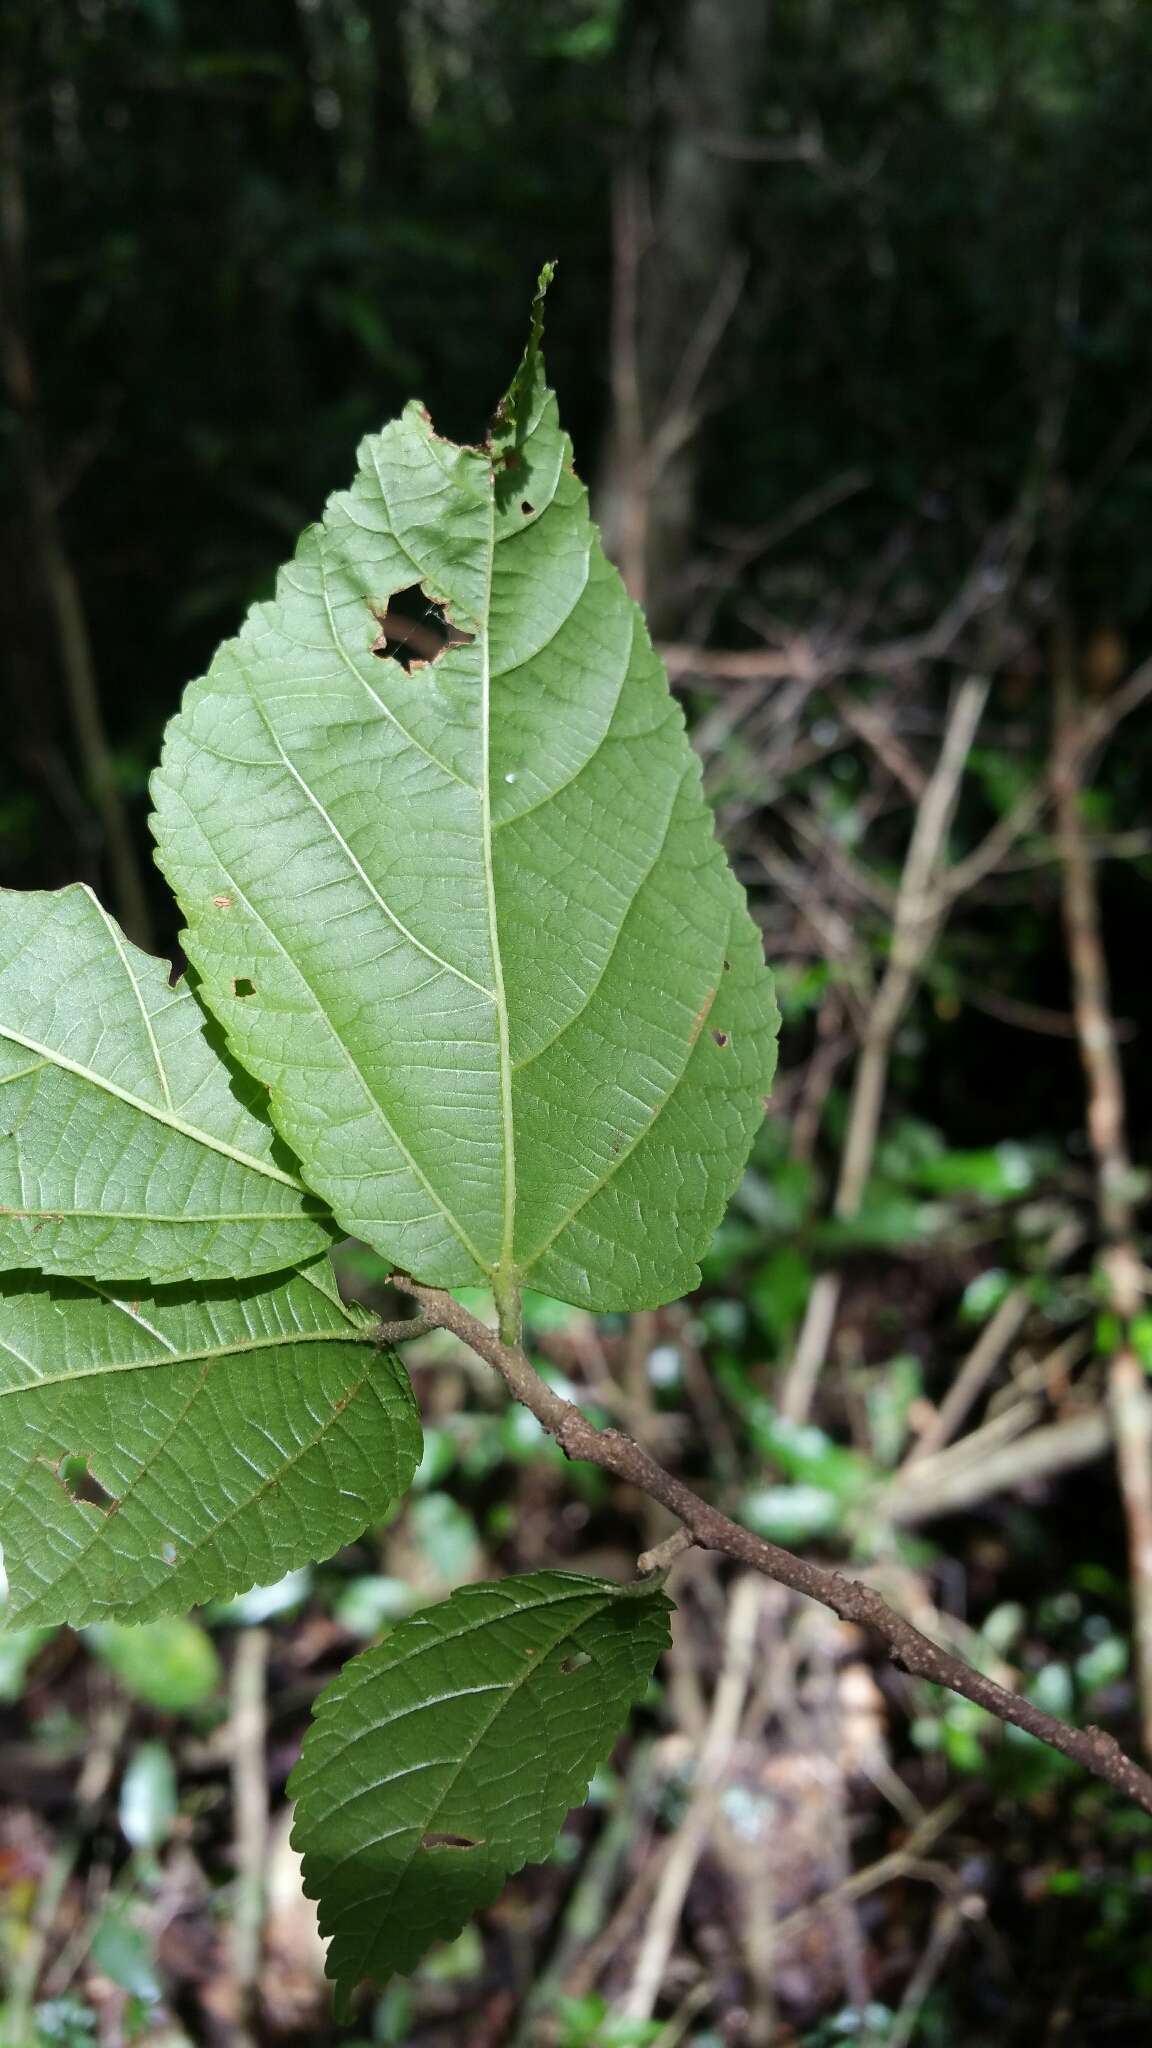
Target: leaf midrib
(168,1118)
(174,1358)
(506,1265)
(137,992)
(54,1214)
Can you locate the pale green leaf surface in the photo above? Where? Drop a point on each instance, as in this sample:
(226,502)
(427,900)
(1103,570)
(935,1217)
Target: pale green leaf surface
(170,1663)
(481,1721)
(130,1144)
(506,996)
(222,1439)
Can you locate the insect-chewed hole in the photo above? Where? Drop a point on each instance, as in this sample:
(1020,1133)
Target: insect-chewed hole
(82,1485)
(449,1842)
(575,1661)
(721,1037)
(415,628)
(527,507)
(243,986)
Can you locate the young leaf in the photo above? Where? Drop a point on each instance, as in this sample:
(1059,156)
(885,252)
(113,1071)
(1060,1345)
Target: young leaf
(159,1450)
(130,1145)
(453,888)
(446,1757)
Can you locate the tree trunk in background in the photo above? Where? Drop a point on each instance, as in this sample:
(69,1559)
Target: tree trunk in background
(694,70)
(63,600)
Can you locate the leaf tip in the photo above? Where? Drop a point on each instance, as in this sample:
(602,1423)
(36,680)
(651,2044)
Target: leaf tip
(531,366)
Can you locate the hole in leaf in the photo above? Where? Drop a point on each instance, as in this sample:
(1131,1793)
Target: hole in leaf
(575,1662)
(415,629)
(82,1485)
(727,967)
(721,1037)
(449,1842)
(169,1554)
(242,986)
(526,508)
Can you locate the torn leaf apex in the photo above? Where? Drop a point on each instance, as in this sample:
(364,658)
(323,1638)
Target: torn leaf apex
(530,370)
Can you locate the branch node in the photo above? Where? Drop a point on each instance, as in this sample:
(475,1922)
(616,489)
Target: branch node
(664,1554)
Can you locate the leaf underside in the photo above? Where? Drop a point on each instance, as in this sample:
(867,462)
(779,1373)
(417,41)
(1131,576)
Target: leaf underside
(448,1756)
(467,917)
(159,1450)
(130,1145)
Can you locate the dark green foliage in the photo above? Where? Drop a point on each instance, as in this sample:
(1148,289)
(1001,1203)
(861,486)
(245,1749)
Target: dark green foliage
(449,1755)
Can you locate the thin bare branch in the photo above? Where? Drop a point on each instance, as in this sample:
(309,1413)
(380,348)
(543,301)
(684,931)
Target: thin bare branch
(998,1334)
(1031,1016)
(249,1733)
(715,1756)
(916,921)
(627,401)
(742,545)
(950,1483)
(1079,745)
(680,414)
(799,658)
(1130,1398)
(874,729)
(664,1554)
(1095,1750)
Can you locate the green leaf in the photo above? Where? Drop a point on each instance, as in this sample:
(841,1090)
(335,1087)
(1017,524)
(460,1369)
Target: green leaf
(18,1646)
(447,1756)
(65,2020)
(997,1173)
(130,1145)
(1140,1332)
(792,1514)
(121,1950)
(370,1602)
(445,1538)
(779,1290)
(468,919)
(149,1796)
(161,1449)
(170,1663)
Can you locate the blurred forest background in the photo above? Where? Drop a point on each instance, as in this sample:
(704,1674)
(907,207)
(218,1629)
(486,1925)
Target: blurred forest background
(853,331)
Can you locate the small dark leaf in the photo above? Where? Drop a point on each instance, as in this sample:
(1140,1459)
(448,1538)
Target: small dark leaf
(446,1757)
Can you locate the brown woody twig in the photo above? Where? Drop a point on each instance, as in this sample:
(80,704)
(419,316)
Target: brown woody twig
(1095,1750)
